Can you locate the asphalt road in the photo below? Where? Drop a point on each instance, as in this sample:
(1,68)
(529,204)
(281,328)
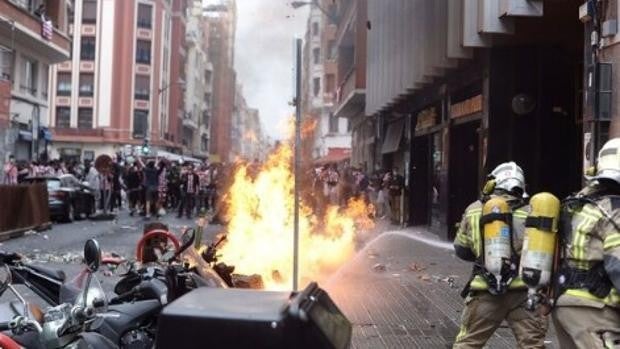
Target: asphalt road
(119,236)
(62,246)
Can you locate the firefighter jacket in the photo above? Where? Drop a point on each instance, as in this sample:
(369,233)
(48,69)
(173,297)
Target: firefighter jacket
(468,243)
(589,238)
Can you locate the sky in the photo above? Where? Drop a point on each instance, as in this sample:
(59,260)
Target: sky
(264,57)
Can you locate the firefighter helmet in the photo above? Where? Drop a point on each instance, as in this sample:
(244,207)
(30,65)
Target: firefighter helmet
(509,176)
(608,162)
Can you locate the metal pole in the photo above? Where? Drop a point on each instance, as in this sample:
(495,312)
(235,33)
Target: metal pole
(297,161)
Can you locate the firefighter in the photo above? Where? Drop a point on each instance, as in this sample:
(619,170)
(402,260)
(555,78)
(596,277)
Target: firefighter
(586,313)
(491,235)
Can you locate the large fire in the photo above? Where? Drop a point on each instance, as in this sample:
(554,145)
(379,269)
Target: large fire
(260,212)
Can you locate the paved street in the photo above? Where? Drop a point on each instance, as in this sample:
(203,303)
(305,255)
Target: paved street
(62,246)
(402,291)
(118,236)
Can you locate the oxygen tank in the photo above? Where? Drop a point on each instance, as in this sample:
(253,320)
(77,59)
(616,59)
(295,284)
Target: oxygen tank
(539,244)
(496,233)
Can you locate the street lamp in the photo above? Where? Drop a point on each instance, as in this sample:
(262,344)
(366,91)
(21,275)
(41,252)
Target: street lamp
(297,4)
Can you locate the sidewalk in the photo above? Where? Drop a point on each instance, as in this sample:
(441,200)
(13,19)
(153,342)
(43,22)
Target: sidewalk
(403,291)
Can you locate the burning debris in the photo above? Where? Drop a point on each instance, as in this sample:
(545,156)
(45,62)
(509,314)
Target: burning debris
(260,226)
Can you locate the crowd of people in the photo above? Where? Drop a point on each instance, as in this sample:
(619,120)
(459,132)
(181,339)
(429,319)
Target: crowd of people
(154,186)
(332,185)
(149,186)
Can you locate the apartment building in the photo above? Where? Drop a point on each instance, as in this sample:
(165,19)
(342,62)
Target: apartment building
(33,37)
(332,134)
(119,87)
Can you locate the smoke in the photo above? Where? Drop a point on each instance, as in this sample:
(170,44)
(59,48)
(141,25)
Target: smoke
(264,57)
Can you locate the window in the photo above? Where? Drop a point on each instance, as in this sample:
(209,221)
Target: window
(29,76)
(45,80)
(63,117)
(64,84)
(333,124)
(315,29)
(144,16)
(30,5)
(89,11)
(204,143)
(87,51)
(6,63)
(143,52)
(316,86)
(316,53)
(86,84)
(331,49)
(330,82)
(85,118)
(140,123)
(70,14)
(142,87)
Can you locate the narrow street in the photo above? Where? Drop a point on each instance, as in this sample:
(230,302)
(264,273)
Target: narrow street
(119,236)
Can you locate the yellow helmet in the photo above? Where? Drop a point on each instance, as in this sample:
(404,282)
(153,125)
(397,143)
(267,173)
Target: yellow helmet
(608,162)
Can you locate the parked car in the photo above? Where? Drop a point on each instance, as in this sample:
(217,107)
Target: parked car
(69,199)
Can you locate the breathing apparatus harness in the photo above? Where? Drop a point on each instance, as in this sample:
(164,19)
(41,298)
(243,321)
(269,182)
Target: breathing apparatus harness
(510,267)
(595,279)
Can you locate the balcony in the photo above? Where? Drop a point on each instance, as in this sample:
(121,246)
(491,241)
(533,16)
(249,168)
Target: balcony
(29,26)
(350,96)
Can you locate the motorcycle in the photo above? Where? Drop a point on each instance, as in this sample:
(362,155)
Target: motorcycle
(130,319)
(67,325)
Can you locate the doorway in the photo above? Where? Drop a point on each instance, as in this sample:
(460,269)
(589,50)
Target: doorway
(464,177)
(419,200)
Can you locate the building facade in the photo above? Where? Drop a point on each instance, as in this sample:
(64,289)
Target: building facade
(454,88)
(198,73)
(33,38)
(319,88)
(221,21)
(350,56)
(124,83)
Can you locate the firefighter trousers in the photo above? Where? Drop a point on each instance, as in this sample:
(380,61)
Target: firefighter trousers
(587,327)
(484,313)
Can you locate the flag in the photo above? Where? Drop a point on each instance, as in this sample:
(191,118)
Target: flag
(47,29)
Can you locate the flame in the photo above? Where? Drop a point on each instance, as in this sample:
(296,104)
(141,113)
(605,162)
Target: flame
(260,212)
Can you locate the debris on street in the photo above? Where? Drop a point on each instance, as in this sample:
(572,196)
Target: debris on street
(64,258)
(424,277)
(379,267)
(416,267)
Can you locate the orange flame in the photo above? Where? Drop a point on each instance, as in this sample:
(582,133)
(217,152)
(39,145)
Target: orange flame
(261,223)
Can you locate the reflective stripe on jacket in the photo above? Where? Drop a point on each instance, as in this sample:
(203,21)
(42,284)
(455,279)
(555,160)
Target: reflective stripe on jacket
(587,241)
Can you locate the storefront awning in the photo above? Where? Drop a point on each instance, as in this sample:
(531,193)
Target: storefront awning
(25,136)
(392,137)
